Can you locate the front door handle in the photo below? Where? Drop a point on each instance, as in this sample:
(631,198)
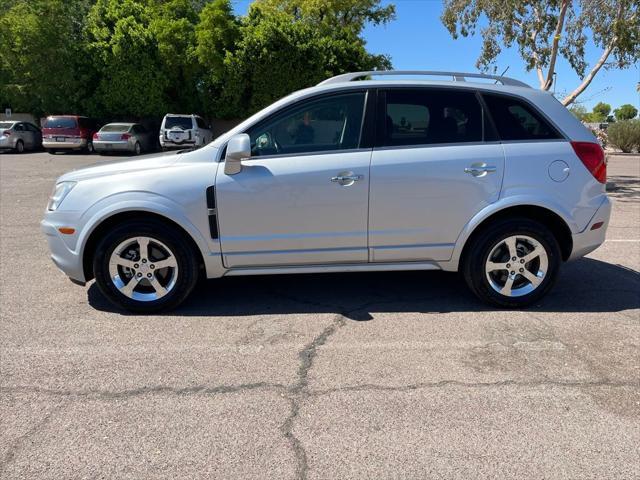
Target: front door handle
(480,169)
(346,178)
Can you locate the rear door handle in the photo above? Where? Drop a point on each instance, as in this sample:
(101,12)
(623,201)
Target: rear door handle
(480,169)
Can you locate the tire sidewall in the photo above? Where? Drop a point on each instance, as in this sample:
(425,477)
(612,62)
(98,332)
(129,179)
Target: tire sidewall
(182,250)
(20,146)
(475,273)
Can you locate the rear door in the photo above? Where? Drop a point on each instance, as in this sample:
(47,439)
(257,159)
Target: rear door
(302,197)
(436,164)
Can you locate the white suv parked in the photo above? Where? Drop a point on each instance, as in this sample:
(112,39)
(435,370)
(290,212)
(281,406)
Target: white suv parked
(184,131)
(499,182)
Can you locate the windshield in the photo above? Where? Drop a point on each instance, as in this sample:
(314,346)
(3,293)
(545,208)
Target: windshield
(6,124)
(60,122)
(115,127)
(185,123)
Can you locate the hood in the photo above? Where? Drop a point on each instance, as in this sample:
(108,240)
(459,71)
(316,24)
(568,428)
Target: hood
(153,162)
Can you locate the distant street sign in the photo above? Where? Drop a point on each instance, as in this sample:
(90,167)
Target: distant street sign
(7,112)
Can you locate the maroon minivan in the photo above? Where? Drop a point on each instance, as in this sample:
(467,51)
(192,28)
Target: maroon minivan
(68,132)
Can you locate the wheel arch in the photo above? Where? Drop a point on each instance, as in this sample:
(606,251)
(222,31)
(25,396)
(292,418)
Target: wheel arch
(105,224)
(552,220)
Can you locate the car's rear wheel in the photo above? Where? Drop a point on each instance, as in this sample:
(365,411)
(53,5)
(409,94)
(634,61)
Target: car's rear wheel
(137,149)
(144,266)
(512,263)
(20,146)
(89,147)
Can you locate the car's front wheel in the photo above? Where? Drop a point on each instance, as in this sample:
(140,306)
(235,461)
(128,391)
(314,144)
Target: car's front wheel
(512,263)
(145,266)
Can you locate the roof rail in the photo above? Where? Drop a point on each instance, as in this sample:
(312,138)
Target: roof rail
(457,76)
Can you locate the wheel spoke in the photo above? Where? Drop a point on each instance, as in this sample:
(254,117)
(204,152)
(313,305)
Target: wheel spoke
(143,243)
(492,266)
(124,262)
(167,262)
(160,290)
(506,290)
(535,253)
(129,287)
(511,245)
(534,279)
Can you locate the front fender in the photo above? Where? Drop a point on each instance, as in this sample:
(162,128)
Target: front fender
(144,201)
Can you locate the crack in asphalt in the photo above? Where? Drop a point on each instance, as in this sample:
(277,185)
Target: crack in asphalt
(298,392)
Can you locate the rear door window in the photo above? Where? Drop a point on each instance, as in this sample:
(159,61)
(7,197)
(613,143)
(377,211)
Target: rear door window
(516,120)
(201,123)
(430,116)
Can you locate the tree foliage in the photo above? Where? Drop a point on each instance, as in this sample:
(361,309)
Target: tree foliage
(626,112)
(282,49)
(138,58)
(544,30)
(43,67)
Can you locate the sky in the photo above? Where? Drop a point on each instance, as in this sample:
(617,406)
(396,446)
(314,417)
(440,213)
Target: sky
(417,40)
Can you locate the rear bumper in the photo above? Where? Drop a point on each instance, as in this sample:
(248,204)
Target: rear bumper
(118,146)
(7,142)
(588,240)
(63,257)
(70,144)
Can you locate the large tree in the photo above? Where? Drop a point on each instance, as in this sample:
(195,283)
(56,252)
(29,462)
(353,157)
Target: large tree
(286,45)
(546,29)
(44,67)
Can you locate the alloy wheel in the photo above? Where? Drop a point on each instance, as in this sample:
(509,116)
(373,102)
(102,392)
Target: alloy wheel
(516,265)
(143,269)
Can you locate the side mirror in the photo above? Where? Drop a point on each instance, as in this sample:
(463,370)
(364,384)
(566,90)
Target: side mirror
(238,149)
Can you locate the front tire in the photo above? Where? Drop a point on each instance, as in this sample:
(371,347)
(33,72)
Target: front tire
(144,266)
(512,263)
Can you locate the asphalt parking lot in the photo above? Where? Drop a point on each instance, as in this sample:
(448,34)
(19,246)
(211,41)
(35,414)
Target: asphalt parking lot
(390,375)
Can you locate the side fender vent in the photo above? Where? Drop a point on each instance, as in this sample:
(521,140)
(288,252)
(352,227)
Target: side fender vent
(211,210)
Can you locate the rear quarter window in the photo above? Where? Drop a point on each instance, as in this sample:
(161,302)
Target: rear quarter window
(516,120)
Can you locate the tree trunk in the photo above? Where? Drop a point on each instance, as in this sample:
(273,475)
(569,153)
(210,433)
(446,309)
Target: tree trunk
(569,99)
(554,47)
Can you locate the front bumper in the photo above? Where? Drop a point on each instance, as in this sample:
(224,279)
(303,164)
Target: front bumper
(588,240)
(62,253)
(69,144)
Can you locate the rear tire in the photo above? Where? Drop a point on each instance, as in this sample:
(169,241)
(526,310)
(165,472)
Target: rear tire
(89,148)
(496,278)
(121,258)
(137,149)
(19,146)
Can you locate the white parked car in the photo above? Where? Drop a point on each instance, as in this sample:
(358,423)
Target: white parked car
(184,131)
(500,182)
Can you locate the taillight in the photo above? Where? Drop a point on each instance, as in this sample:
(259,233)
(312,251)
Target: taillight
(6,132)
(125,136)
(96,136)
(592,155)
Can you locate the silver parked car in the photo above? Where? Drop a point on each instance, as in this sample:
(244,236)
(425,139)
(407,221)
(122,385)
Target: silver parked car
(123,137)
(498,181)
(184,131)
(19,136)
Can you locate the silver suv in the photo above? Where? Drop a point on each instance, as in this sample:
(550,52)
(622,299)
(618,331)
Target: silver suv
(184,131)
(499,182)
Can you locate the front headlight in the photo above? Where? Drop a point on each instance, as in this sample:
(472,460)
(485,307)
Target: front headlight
(60,191)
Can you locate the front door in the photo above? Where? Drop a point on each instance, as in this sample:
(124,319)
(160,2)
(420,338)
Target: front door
(302,198)
(434,167)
